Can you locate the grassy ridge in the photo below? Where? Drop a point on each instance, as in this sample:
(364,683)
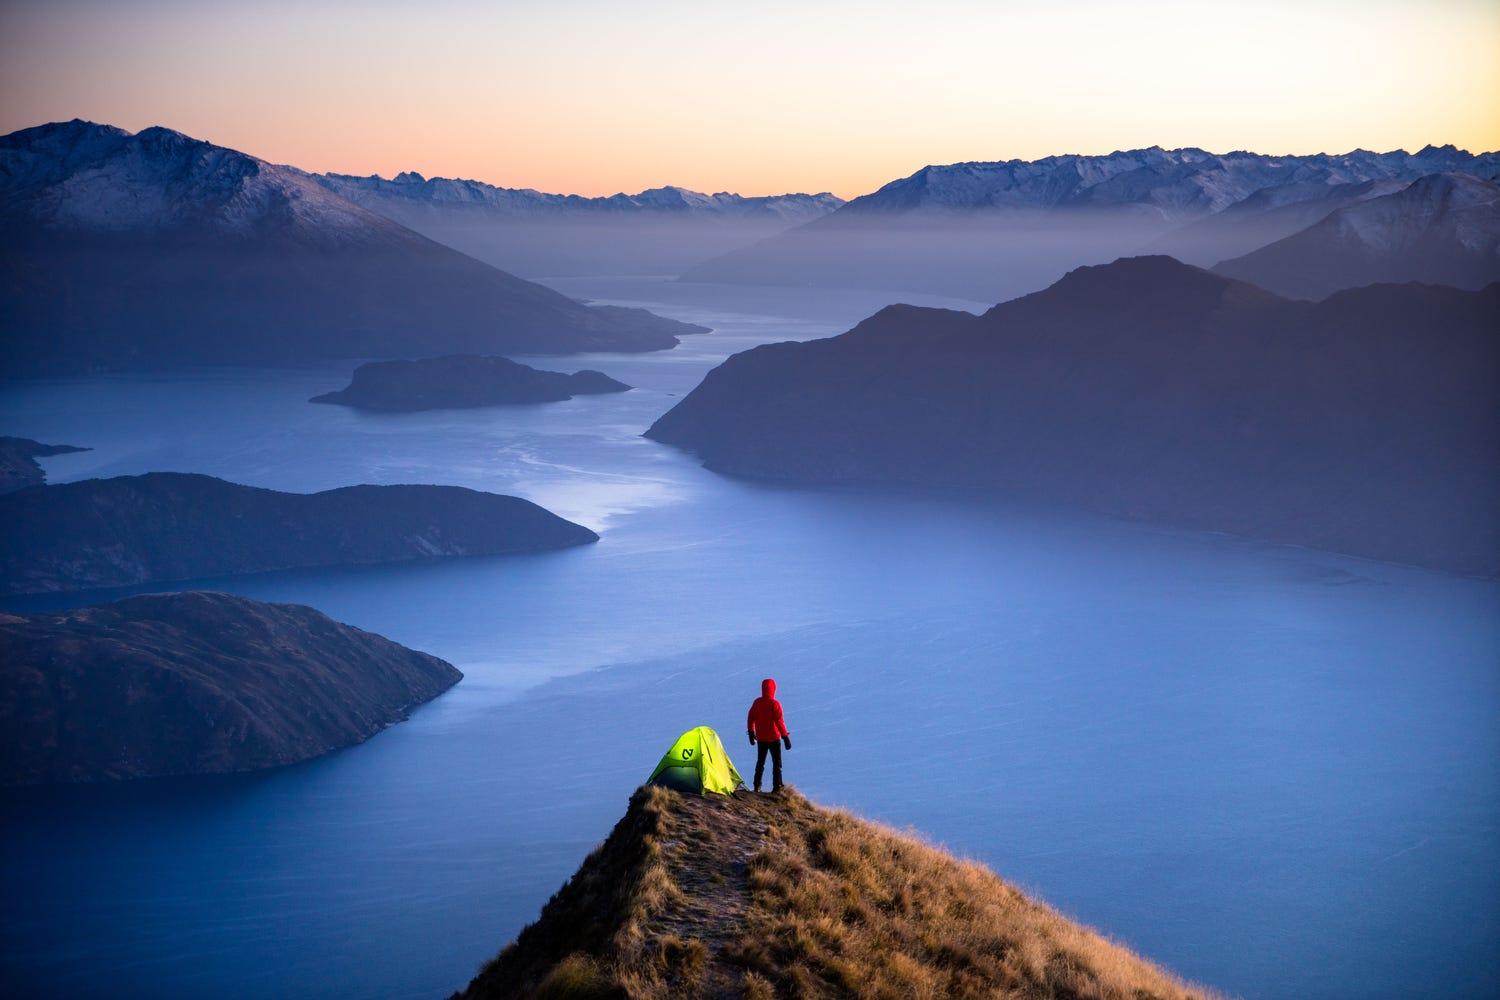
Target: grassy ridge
(762,897)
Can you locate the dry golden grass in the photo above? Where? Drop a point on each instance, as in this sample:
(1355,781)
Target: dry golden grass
(762,897)
(844,907)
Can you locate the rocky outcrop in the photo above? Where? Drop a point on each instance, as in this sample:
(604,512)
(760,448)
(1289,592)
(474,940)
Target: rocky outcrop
(771,895)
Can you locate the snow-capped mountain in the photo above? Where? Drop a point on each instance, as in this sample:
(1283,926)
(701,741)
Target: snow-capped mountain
(155,249)
(1443,229)
(1175,184)
(659,231)
(83,178)
(994,230)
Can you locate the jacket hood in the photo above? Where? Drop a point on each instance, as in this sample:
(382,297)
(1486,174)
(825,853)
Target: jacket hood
(768,688)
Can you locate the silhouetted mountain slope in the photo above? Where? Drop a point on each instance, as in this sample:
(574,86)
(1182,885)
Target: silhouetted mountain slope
(994,230)
(461,381)
(157,250)
(194,683)
(172,526)
(1150,389)
(769,896)
(1443,230)
(18,465)
(661,231)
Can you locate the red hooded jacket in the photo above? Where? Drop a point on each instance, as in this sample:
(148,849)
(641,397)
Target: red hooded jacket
(765,719)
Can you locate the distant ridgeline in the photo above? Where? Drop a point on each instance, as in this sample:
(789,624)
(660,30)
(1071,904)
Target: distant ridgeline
(156,250)
(18,465)
(1153,390)
(991,231)
(661,231)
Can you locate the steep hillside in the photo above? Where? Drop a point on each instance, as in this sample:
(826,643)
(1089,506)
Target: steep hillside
(1443,230)
(772,896)
(1156,391)
(194,683)
(175,526)
(157,250)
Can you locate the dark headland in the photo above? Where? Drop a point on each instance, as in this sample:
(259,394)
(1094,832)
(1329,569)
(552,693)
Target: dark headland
(18,461)
(462,381)
(194,683)
(173,526)
(1152,390)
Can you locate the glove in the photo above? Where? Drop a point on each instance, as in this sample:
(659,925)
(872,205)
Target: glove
(752,737)
(786,741)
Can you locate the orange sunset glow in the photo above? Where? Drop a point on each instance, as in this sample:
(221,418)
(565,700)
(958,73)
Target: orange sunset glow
(594,98)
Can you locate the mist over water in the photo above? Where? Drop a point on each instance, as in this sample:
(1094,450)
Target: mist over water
(1274,770)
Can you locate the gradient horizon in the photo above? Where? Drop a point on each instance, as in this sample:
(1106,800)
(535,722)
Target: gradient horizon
(593,98)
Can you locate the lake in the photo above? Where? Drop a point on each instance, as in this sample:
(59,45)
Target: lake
(1275,770)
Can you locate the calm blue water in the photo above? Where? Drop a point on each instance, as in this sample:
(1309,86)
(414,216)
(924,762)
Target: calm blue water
(1274,770)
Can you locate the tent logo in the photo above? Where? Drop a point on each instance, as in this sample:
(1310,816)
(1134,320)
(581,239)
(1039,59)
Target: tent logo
(687,753)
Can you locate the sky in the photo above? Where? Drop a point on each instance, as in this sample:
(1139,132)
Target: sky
(596,97)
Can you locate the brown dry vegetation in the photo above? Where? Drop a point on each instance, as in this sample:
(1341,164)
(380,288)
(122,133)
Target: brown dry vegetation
(763,897)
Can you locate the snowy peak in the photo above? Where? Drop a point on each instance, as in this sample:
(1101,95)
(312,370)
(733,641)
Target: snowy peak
(84,178)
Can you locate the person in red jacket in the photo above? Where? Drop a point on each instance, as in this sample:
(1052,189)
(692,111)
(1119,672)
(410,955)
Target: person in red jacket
(768,733)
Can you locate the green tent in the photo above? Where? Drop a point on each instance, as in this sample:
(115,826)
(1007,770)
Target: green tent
(698,764)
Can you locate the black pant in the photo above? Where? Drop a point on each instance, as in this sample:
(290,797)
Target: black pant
(762,747)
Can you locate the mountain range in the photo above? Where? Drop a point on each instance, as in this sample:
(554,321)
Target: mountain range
(1153,390)
(154,249)
(659,231)
(995,230)
(430,194)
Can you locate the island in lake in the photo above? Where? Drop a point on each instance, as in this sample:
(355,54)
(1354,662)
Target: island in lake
(194,683)
(176,526)
(462,381)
